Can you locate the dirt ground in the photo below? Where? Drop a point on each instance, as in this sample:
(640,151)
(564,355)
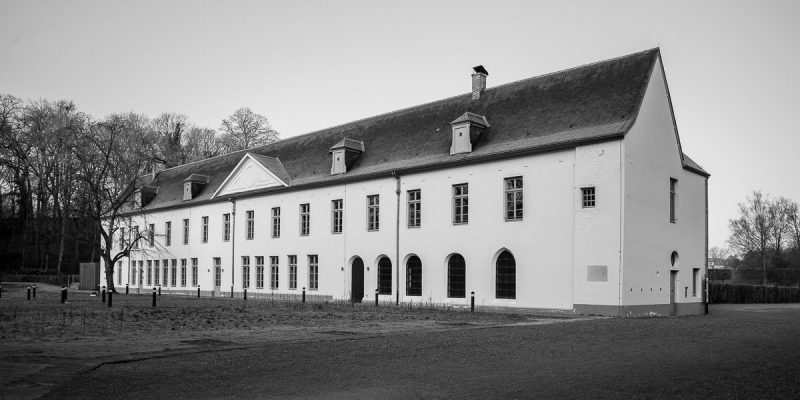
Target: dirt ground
(44,344)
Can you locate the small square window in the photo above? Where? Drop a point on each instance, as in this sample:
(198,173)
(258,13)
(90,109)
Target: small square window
(588,195)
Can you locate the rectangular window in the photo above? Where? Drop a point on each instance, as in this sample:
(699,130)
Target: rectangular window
(119,272)
(149,272)
(259,272)
(135,237)
(141,272)
(151,235)
(336,216)
(273,272)
(513,189)
(673,187)
(305,219)
(174,273)
(313,273)
(168,233)
(276,222)
(414,208)
(695,281)
(133,273)
(226,227)
(122,238)
(461,203)
(245,272)
(204,231)
(194,272)
(588,197)
(164,281)
(185,231)
(183,272)
(251,225)
(373,212)
(156,272)
(292,272)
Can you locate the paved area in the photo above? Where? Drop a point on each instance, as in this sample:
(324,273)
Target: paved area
(745,351)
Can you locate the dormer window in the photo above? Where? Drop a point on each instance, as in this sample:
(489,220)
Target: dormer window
(344,155)
(467,129)
(193,185)
(144,195)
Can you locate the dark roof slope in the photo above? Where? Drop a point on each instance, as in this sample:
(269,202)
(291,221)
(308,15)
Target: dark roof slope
(583,104)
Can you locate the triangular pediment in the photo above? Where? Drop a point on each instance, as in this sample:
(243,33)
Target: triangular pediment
(253,173)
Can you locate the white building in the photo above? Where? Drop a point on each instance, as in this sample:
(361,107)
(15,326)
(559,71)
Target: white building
(563,191)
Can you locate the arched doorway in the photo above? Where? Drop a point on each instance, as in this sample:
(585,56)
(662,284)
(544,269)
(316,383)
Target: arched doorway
(384,276)
(506,276)
(456,276)
(357,281)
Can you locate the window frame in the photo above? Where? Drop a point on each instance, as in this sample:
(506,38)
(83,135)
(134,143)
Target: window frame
(414,208)
(245,272)
(292,261)
(183,272)
(305,219)
(513,205)
(452,290)
(673,200)
(460,211)
(373,213)
(259,272)
(168,233)
(337,216)
(413,277)
(313,272)
(250,231)
(204,230)
(151,235)
(588,197)
(226,227)
(384,276)
(195,269)
(156,272)
(186,231)
(506,281)
(274,270)
(276,222)
(149,272)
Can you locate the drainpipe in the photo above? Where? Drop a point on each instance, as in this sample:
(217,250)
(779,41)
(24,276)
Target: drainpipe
(705,300)
(397,239)
(233,240)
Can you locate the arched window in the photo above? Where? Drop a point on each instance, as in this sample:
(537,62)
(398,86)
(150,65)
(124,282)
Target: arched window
(674,258)
(456,276)
(506,286)
(384,276)
(414,276)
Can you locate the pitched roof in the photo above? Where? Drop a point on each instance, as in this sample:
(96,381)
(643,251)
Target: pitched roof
(689,164)
(584,104)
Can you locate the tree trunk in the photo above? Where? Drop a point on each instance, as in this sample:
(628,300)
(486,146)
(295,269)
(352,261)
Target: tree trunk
(764,266)
(61,243)
(109,270)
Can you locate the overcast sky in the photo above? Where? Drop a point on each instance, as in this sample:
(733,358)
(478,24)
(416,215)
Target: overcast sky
(732,66)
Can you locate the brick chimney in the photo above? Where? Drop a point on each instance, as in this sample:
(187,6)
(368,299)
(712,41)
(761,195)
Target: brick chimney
(478,81)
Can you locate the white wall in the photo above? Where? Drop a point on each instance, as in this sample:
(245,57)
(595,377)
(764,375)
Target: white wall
(651,158)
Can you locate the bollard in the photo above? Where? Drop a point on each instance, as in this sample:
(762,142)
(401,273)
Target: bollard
(245,293)
(154,297)
(64,295)
(159,290)
(34,291)
(126,288)
(304,294)
(472,303)
(198,291)
(29,293)
(231,291)
(376,297)
(110,295)
(103,295)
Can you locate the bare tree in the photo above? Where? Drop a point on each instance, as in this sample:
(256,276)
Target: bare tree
(793,220)
(718,254)
(245,129)
(113,158)
(780,222)
(201,143)
(751,232)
